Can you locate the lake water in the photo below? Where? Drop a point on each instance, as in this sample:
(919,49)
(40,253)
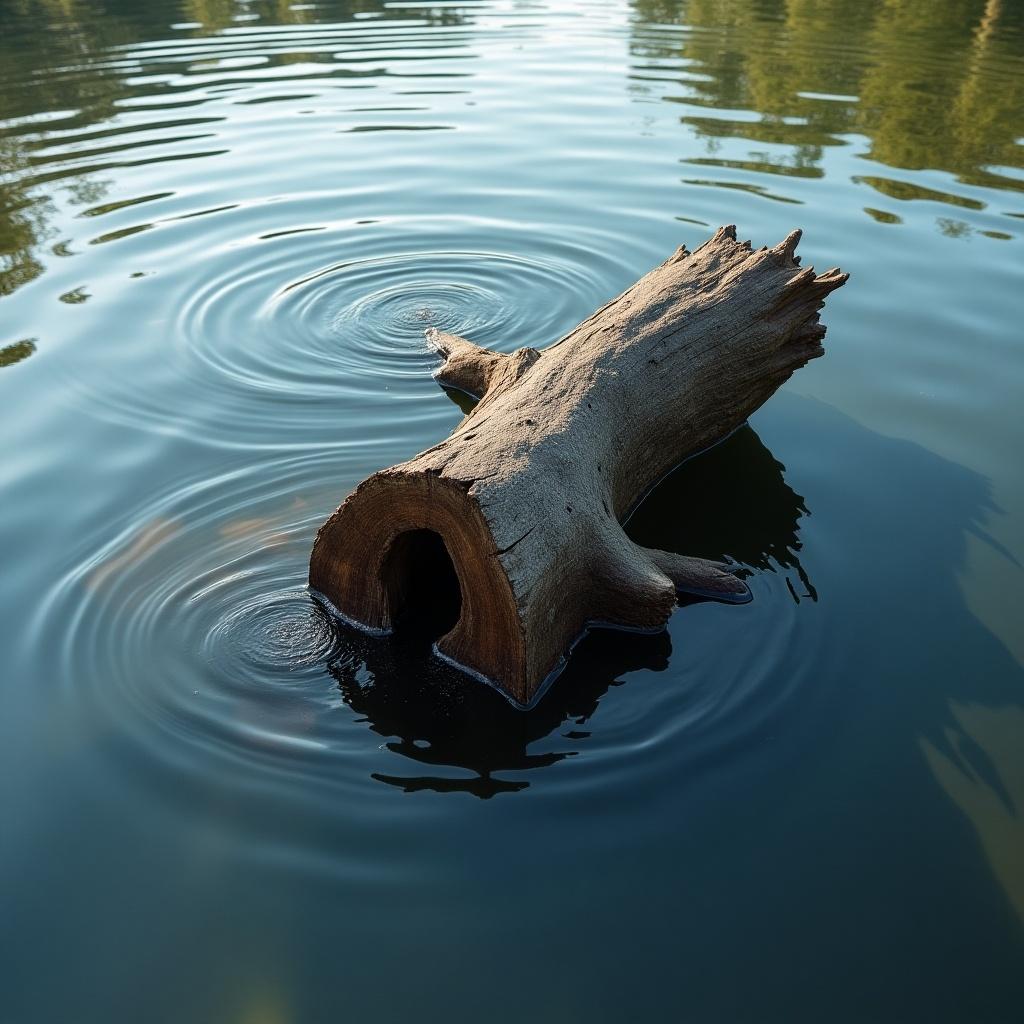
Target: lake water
(223,228)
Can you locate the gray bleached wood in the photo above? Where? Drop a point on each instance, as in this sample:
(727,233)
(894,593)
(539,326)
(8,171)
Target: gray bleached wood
(529,492)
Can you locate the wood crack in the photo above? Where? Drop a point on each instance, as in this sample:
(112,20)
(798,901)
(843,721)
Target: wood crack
(503,551)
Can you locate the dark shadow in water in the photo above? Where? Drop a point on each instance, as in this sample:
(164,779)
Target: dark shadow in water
(868,843)
(731,502)
(893,522)
(441,718)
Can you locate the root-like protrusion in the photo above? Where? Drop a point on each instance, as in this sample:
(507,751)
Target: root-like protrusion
(475,370)
(700,576)
(637,587)
(467,367)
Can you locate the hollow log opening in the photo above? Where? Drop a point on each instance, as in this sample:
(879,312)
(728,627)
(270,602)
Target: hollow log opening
(421,586)
(529,491)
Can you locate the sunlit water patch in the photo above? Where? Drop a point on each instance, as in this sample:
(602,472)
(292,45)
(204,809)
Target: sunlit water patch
(330,325)
(357,325)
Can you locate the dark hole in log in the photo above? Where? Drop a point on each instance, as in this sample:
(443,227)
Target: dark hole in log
(423,591)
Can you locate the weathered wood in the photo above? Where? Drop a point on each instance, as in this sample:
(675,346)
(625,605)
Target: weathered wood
(529,492)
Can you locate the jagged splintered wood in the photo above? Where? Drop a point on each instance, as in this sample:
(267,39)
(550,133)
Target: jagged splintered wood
(529,492)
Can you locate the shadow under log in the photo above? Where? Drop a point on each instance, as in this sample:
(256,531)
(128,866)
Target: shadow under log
(528,495)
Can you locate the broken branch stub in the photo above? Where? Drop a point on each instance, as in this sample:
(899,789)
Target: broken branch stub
(529,492)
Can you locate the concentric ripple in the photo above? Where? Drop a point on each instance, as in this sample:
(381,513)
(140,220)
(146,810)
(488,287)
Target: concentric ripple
(264,634)
(272,338)
(365,318)
(189,640)
(194,623)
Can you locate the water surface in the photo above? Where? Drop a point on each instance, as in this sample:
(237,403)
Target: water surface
(223,228)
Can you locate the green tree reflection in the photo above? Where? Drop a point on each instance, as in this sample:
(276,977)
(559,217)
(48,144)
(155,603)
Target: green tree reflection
(63,67)
(930,85)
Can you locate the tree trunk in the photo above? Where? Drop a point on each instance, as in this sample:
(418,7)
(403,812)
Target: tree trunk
(529,492)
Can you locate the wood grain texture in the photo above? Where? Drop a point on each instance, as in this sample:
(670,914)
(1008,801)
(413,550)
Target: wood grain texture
(529,492)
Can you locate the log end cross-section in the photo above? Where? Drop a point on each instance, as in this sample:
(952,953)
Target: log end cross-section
(526,498)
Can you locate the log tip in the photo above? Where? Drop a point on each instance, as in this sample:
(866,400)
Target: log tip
(434,336)
(467,367)
(735,591)
(702,577)
(831,280)
(718,583)
(786,249)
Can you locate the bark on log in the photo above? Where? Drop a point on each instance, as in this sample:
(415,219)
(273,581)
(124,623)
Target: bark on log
(529,492)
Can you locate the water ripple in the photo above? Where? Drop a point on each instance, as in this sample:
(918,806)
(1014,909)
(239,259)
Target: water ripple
(366,317)
(288,327)
(189,640)
(194,622)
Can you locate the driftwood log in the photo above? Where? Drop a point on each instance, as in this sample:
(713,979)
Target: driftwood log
(528,494)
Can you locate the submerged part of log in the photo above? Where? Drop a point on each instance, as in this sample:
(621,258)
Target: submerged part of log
(529,493)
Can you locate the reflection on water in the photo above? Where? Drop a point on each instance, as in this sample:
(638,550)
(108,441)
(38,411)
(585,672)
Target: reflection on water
(733,504)
(11,354)
(150,536)
(223,228)
(766,87)
(70,72)
(440,718)
(934,86)
(981,770)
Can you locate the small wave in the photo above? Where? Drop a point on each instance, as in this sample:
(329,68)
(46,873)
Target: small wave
(271,336)
(189,640)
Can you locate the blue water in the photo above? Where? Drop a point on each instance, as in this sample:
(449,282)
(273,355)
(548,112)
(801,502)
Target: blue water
(224,227)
